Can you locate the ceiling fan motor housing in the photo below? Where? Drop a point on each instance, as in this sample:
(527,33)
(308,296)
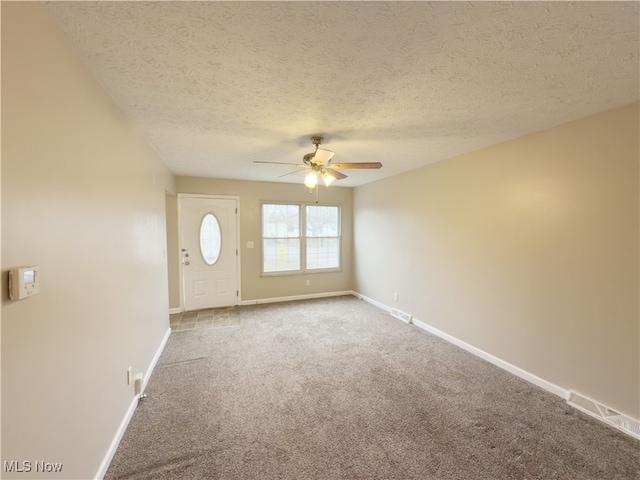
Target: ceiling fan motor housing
(308,157)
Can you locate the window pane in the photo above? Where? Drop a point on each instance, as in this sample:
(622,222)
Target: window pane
(280,221)
(323,253)
(210,241)
(322,221)
(281,254)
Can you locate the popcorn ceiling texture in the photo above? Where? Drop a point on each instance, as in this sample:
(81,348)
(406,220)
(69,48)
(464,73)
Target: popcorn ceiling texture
(217,85)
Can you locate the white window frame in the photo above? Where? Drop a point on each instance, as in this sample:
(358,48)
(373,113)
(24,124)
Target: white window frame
(302,230)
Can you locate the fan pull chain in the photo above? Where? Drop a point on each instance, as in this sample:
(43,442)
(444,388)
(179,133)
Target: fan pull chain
(316,188)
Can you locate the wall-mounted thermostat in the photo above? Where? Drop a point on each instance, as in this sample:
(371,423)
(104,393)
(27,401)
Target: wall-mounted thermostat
(23,282)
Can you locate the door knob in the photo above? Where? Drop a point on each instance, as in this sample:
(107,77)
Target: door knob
(187,263)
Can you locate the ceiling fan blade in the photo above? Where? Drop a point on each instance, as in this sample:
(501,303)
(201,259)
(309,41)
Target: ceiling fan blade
(322,156)
(338,175)
(280,163)
(290,173)
(356,165)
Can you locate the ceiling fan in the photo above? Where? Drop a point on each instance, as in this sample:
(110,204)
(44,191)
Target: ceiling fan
(319,164)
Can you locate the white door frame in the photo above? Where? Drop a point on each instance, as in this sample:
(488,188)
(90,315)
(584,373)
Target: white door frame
(181,246)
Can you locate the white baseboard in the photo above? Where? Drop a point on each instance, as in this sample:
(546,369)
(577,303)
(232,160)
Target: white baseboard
(104,466)
(381,306)
(175,310)
(530,377)
(550,387)
(606,415)
(154,360)
(296,297)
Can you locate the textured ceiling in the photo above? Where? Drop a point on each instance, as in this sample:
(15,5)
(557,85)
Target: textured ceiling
(216,85)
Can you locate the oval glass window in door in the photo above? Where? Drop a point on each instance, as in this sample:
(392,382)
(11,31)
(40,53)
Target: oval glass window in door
(210,239)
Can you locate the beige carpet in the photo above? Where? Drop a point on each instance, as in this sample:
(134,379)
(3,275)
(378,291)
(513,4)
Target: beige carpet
(336,388)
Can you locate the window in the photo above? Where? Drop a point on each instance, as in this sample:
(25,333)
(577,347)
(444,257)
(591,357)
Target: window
(210,240)
(289,248)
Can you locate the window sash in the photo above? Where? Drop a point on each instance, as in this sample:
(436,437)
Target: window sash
(277,222)
(322,221)
(281,255)
(323,253)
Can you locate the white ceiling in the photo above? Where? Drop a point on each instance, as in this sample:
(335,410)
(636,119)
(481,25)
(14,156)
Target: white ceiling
(216,85)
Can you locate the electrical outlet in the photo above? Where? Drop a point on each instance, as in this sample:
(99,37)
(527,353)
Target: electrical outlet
(308,283)
(139,383)
(395,296)
(129,376)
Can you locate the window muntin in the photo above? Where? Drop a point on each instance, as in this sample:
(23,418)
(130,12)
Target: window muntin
(298,238)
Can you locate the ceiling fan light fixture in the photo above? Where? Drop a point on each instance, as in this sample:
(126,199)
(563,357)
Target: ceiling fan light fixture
(318,165)
(311,180)
(327,178)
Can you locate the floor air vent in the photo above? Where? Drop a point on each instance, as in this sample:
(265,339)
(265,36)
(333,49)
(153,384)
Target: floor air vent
(405,317)
(613,418)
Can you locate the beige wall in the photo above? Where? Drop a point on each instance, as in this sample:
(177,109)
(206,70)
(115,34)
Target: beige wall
(253,286)
(83,197)
(527,250)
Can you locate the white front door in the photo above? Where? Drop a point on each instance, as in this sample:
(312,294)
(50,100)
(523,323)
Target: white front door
(209,251)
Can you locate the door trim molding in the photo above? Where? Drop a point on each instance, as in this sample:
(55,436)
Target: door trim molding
(180,245)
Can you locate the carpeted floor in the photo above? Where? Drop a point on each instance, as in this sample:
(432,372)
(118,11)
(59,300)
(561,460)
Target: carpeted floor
(335,389)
